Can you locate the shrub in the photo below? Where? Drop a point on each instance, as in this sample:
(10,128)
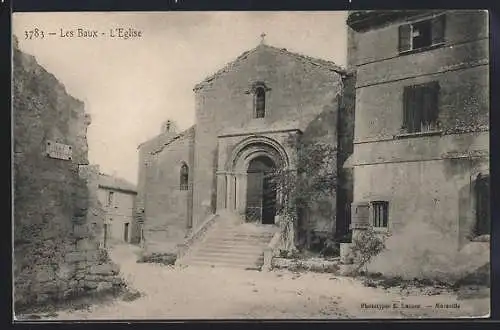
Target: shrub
(289,254)
(366,246)
(159,258)
(330,249)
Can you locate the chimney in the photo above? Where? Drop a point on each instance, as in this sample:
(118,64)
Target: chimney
(169,126)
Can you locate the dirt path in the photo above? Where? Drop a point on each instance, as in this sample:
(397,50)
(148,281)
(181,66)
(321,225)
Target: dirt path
(217,293)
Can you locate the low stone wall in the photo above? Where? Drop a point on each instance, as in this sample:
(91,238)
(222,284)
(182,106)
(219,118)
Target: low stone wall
(313,264)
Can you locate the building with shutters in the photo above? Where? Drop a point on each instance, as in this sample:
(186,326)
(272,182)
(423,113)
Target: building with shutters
(245,115)
(117,197)
(421,138)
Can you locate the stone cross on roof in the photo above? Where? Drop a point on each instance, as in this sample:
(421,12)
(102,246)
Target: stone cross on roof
(262,37)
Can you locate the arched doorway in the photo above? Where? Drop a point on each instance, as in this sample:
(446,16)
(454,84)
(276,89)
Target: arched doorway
(261,191)
(249,161)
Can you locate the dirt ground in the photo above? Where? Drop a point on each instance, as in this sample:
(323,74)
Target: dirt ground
(220,293)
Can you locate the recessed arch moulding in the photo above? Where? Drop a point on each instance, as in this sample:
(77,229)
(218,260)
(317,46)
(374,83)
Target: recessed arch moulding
(235,154)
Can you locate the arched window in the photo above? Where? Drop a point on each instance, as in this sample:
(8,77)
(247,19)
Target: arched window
(482,192)
(184,176)
(260,102)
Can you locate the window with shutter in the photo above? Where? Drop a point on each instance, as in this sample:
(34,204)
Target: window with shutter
(380,214)
(404,38)
(422,35)
(420,107)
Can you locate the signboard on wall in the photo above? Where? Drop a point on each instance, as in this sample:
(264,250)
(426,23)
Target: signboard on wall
(59,150)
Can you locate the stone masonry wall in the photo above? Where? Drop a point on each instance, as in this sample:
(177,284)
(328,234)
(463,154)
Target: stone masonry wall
(147,173)
(56,256)
(167,208)
(299,92)
(426,179)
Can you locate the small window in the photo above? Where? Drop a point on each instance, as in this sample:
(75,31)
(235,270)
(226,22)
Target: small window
(422,34)
(420,107)
(260,102)
(482,192)
(110,198)
(184,177)
(380,214)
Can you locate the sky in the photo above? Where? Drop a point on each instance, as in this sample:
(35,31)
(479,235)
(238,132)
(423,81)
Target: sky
(131,86)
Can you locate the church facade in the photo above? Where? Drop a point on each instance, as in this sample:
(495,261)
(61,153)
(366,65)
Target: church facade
(245,115)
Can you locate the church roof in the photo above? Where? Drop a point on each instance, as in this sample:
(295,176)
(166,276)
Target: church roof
(113,182)
(328,65)
(160,146)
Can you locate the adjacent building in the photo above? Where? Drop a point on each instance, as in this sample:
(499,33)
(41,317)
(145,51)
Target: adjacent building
(117,197)
(421,137)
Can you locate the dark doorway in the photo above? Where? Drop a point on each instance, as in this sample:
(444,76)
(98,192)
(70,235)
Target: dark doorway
(106,233)
(261,192)
(125,232)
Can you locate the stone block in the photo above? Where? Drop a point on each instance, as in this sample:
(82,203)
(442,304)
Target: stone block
(90,284)
(81,265)
(93,278)
(104,286)
(81,231)
(92,256)
(105,269)
(45,274)
(345,253)
(73,257)
(49,287)
(42,297)
(65,271)
(86,244)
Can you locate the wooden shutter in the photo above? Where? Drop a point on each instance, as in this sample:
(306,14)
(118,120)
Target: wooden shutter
(418,104)
(404,38)
(411,108)
(406,107)
(437,29)
(386,214)
(430,104)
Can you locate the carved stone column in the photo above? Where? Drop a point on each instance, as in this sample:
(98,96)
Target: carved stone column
(241,193)
(230,183)
(221,191)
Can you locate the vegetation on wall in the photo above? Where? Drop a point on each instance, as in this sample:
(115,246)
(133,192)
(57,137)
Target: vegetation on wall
(302,187)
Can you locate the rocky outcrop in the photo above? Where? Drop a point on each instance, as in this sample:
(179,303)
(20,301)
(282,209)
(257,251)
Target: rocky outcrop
(56,216)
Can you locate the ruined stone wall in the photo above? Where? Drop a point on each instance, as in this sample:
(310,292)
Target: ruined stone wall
(299,93)
(56,255)
(428,178)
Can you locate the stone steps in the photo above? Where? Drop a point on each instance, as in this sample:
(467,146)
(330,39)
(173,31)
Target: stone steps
(224,265)
(240,250)
(232,245)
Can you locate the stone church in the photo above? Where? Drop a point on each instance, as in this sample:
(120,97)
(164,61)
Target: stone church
(245,114)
